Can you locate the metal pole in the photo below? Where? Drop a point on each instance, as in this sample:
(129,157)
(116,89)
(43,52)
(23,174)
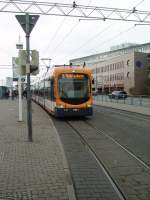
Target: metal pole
(29,106)
(20,99)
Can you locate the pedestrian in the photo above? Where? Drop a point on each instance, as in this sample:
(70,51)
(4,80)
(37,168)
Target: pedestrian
(7,94)
(12,96)
(24,94)
(15,94)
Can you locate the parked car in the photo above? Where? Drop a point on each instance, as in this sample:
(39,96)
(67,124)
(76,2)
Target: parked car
(118,95)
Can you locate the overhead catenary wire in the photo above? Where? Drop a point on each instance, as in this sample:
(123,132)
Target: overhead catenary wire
(121,33)
(112,38)
(5,65)
(140,1)
(89,2)
(69,32)
(92,38)
(3,68)
(65,37)
(54,35)
(97,35)
(101,32)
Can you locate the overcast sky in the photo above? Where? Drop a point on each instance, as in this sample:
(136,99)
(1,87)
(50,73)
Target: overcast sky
(73,39)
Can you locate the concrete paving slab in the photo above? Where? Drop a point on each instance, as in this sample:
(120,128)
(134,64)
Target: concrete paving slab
(31,170)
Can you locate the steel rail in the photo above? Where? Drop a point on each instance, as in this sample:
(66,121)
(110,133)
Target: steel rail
(107,174)
(118,144)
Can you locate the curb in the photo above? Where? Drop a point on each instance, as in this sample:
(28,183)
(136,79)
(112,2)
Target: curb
(70,187)
(135,109)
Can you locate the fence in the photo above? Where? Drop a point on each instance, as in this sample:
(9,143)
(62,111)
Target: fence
(131,100)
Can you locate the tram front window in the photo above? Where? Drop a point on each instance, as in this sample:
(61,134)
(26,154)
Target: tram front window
(74,88)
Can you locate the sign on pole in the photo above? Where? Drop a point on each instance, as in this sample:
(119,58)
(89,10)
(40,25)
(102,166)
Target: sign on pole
(15,67)
(27,22)
(32,21)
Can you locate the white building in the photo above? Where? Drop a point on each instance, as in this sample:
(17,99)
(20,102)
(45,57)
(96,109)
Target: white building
(126,69)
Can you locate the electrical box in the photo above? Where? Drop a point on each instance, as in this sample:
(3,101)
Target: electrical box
(22,62)
(34,64)
(33,68)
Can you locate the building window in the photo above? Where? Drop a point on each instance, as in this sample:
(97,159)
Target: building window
(128,74)
(128,62)
(110,67)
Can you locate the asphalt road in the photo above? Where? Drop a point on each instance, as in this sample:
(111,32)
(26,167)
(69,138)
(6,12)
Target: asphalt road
(130,129)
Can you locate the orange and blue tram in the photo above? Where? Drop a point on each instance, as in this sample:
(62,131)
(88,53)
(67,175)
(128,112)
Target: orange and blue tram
(65,91)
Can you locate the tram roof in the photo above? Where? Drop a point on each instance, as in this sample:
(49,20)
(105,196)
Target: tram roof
(57,69)
(70,69)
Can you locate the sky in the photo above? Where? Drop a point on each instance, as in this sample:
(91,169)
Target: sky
(63,38)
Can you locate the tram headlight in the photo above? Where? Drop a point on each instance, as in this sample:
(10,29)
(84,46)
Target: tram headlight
(89,105)
(60,106)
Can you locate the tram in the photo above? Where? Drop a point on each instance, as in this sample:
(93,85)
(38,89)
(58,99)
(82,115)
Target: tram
(65,91)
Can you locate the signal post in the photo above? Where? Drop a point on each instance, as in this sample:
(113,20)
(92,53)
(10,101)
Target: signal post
(27,22)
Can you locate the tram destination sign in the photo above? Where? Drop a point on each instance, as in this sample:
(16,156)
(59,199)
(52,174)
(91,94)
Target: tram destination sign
(70,75)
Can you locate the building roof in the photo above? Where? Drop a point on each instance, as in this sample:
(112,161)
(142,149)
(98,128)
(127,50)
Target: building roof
(100,56)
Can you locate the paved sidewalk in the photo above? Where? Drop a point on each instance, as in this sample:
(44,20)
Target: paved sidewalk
(131,108)
(31,170)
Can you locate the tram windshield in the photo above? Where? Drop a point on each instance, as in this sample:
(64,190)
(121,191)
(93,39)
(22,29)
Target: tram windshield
(74,86)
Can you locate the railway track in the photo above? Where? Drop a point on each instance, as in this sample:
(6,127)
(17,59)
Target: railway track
(102,166)
(128,174)
(132,116)
(131,130)
(115,187)
(90,179)
(101,131)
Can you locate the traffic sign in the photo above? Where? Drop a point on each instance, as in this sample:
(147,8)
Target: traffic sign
(27,22)
(32,21)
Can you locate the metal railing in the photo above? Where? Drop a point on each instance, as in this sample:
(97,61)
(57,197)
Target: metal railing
(130,100)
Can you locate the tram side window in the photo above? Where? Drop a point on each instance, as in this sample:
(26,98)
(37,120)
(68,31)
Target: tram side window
(46,92)
(51,90)
(41,93)
(37,91)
